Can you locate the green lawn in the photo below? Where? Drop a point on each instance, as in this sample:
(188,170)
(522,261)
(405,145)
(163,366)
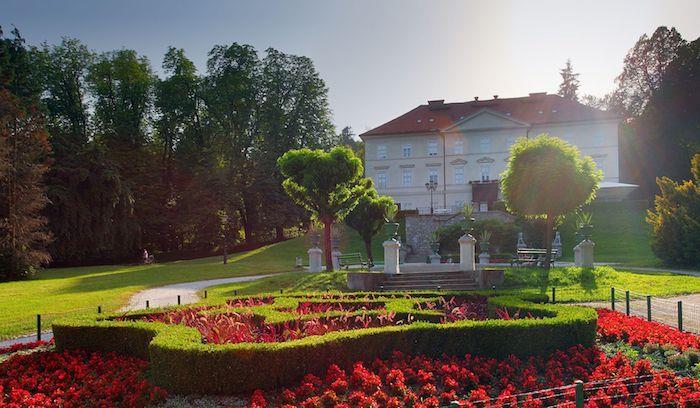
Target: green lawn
(573,284)
(62,291)
(620,233)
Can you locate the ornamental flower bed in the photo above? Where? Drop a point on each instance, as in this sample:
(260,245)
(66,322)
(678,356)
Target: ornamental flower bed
(306,308)
(459,308)
(76,379)
(245,328)
(24,346)
(615,326)
(419,381)
(224,349)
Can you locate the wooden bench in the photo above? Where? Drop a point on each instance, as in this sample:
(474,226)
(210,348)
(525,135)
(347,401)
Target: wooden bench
(347,260)
(530,257)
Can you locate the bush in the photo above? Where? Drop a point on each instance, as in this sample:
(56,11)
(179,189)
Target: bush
(675,220)
(504,235)
(181,363)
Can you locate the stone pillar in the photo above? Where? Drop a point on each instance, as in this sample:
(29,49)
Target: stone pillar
(336,262)
(315,256)
(484,258)
(391,256)
(583,253)
(466,253)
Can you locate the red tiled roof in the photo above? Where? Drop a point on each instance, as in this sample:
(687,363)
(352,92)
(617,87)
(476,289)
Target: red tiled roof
(534,109)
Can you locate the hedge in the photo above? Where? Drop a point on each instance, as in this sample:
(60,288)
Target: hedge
(181,363)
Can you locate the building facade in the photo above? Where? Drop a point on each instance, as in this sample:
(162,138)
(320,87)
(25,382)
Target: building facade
(462,148)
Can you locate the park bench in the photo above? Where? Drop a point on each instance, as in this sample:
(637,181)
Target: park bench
(347,260)
(530,257)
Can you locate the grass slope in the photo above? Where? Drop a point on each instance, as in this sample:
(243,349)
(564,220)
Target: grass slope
(620,233)
(72,291)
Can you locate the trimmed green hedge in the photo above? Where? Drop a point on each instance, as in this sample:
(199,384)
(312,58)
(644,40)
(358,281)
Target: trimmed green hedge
(181,363)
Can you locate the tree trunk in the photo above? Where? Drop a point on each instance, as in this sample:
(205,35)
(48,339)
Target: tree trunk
(368,248)
(327,225)
(548,241)
(280,233)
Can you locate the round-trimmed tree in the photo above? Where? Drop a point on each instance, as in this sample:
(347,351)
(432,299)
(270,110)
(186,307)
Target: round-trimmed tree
(369,216)
(547,178)
(328,184)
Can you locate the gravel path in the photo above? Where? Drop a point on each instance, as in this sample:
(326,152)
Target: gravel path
(167,295)
(157,297)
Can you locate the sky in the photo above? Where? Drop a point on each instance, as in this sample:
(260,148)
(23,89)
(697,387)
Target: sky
(379,59)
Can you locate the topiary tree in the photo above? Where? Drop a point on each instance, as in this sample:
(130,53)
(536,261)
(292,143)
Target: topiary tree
(675,219)
(547,178)
(369,216)
(328,184)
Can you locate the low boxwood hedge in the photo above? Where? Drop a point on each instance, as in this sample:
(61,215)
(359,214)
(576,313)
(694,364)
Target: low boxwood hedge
(181,363)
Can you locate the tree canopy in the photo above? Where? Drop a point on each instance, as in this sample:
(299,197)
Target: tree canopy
(329,184)
(569,82)
(369,216)
(546,178)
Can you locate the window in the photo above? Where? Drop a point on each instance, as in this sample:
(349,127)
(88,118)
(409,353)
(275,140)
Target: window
(600,164)
(407,150)
(407,177)
(459,175)
(432,148)
(483,207)
(458,147)
(381,179)
(381,152)
(485,172)
(485,144)
(407,206)
(433,175)
(598,140)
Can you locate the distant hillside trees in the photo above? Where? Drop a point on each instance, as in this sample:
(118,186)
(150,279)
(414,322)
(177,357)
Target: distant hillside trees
(140,161)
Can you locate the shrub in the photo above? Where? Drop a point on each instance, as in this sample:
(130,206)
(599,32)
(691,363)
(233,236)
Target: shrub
(675,220)
(182,363)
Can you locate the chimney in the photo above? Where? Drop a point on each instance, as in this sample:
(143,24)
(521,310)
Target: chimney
(476,99)
(537,94)
(495,97)
(437,104)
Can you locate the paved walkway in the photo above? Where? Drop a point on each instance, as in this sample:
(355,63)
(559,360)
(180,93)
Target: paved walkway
(157,297)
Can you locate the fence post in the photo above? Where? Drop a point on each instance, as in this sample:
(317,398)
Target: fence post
(148,304)
(627,302)
(38,327)
(205,294)
(579,393)
(235,292)
(612,298)
(178,300)
(554,294)
(99,309)
(648,308)
(680,315)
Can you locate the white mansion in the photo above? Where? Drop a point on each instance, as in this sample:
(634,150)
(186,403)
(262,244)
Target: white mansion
(463,147)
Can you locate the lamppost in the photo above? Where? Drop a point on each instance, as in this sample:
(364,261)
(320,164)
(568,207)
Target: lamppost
(431,186)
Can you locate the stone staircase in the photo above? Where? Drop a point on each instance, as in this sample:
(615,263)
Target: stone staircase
(430,281)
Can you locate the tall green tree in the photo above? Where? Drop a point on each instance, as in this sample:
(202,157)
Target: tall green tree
(369,216)
(91,212)
(675,219)
(329,184)
(547,178)
(24,159)
(569,82)
(643,70)
(292,113)
(230,95)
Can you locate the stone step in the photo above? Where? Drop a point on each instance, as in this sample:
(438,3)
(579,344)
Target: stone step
(430,287)
(435,281)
